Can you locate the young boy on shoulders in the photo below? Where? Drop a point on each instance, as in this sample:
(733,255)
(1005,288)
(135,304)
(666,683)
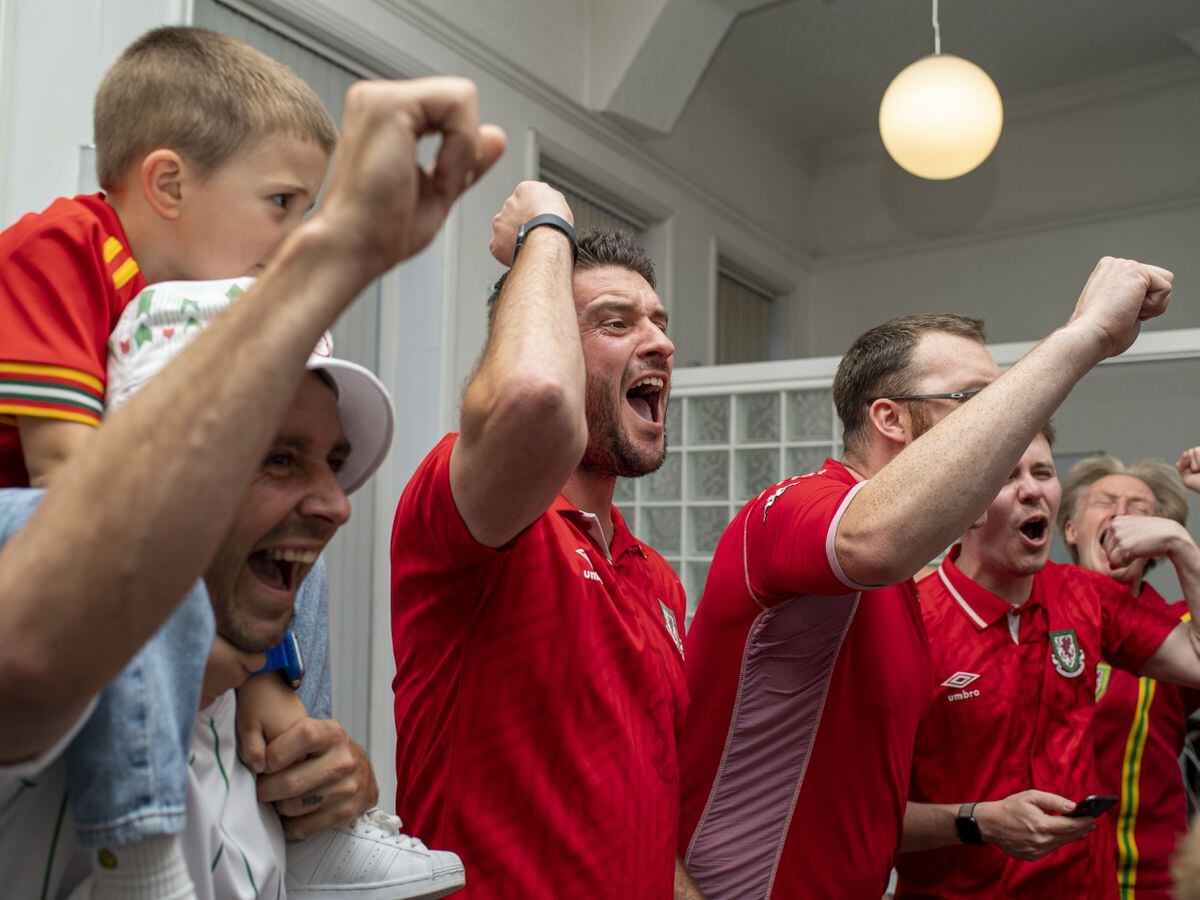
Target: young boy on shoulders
(209,154)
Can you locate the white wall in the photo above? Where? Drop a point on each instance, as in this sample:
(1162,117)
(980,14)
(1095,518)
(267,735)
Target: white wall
(48,76)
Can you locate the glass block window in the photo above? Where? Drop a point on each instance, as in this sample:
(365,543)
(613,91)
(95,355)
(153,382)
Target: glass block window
(591,206)
(743,323)
(723,449)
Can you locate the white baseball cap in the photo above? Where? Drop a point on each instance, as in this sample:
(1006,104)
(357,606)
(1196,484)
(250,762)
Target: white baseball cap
(164,318)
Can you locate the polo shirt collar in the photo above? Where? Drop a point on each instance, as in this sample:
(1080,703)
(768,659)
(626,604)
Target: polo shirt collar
(977,603)
(623,540)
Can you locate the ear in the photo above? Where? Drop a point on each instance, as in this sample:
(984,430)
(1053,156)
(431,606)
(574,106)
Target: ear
(891,420)
(1069,533)
(161,178)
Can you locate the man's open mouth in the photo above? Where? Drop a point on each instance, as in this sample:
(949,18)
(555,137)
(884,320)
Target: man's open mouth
(282,570)
(1035,529)
(645,396)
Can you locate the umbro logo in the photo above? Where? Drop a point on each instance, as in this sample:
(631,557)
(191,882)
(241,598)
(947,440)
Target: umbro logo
(590,572)
(958,681)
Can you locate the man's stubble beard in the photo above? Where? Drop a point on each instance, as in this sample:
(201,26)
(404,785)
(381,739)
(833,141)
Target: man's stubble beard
(609,450)
(920,418)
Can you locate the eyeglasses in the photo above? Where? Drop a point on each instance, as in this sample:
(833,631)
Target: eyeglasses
(1132,508)
(960,396)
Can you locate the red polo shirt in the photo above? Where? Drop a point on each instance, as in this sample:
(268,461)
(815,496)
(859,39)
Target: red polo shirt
(539,697)
(809,688)
(1140,728)
(1013,711)
(65,276)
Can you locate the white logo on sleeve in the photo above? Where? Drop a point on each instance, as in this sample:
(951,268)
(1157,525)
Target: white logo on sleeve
(672,626)
(590,572)
(958,681)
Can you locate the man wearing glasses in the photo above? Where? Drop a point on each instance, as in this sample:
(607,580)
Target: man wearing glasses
(808,649)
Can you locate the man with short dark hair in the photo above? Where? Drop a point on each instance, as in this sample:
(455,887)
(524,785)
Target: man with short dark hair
(539,667)
(808,646)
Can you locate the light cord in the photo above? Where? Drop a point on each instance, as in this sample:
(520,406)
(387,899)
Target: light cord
(937,31)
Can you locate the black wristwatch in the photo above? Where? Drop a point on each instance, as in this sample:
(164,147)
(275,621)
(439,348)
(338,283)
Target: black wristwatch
(552,221)
(967,827)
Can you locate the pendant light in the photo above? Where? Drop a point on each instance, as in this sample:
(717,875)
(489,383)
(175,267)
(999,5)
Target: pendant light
(940,117)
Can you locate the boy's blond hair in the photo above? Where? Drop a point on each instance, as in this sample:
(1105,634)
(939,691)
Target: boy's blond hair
(202,94)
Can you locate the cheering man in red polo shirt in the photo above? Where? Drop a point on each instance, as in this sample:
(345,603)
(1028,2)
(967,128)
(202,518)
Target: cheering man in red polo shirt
(1141,724)
(814,674)
(539,684)
(1016,642)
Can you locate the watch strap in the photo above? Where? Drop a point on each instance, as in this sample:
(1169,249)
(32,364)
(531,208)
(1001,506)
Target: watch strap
(286,659)
(966,826)
(551,220)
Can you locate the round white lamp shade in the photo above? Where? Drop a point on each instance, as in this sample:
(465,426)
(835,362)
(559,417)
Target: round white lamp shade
(941,117)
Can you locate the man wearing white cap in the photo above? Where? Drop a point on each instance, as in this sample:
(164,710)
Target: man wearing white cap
(334,436)
(126,528)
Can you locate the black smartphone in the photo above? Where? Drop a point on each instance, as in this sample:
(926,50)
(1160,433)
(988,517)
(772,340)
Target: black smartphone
(1093,805)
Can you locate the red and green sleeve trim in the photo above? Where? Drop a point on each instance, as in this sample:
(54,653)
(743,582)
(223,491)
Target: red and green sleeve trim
(50,392)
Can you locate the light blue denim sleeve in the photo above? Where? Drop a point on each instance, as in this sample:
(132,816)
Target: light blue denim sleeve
(127,767)
(311,627)
(16,506)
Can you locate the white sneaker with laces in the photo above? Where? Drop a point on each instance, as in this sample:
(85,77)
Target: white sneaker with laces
(370,859)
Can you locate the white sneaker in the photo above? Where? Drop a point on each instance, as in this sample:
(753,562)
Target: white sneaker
(370,859)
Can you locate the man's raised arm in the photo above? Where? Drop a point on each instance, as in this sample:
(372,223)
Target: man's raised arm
(925,498)
(130,524)
(523,428)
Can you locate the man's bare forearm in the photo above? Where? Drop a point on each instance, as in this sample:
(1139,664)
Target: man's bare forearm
(928,826)
(523,428)
(926,497)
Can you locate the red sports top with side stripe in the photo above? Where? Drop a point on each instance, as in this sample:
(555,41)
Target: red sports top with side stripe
(66,274)
(807,689)
(539,697)
(1140,727)
(1013,710)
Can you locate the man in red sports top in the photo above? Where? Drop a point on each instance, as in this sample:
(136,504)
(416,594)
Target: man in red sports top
(1016,642)
(814,673)
(1140,724)
(539,663)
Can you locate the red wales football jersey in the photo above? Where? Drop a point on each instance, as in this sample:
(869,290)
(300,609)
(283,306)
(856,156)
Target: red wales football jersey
(65,276)
(1140,727)
(1013,710)
(807,692)
(539,698)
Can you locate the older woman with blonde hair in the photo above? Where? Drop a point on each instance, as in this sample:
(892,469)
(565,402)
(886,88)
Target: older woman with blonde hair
(1140,724)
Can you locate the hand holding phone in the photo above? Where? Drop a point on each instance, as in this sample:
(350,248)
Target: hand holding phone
(1093,805)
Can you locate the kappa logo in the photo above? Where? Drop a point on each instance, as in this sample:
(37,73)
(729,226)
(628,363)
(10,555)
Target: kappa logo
(1066,654)
(590,572)
(672,626)
(779,491)
(958,681)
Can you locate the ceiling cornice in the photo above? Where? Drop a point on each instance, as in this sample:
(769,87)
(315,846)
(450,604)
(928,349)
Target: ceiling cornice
(1039,225)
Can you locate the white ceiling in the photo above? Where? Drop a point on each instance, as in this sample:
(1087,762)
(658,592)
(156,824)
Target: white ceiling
(812,72)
